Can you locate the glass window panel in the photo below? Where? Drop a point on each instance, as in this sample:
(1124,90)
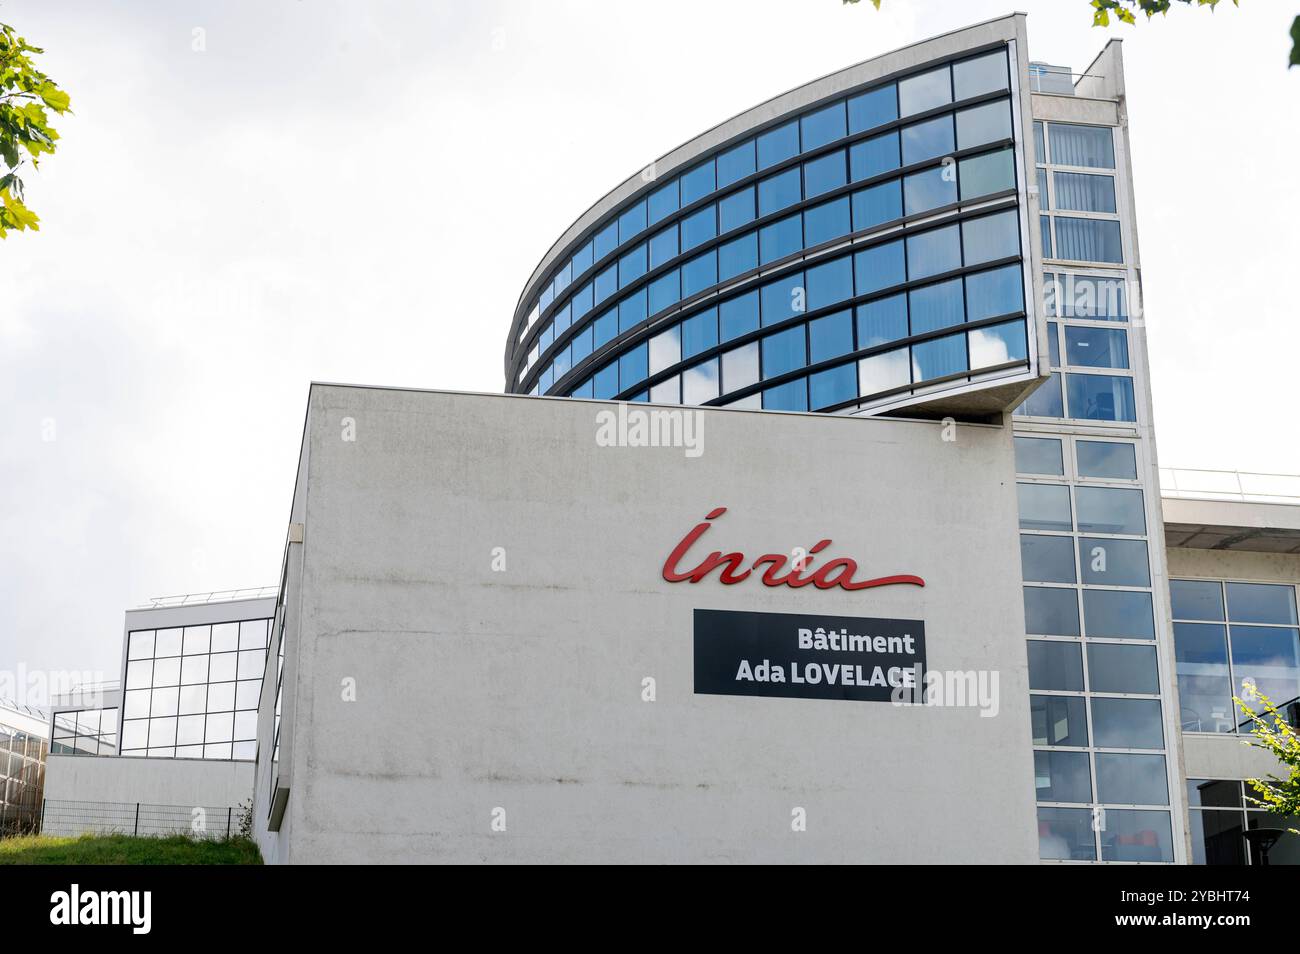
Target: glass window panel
(700,382)
(1083,296)
(791,396)
(738,316)
(137,704)
(830,337)
(1045,401)
(877,204)
(220,726)
(738,256)
(139,674)
(247,693)
(823,126)
(928,189)
(778,144)
(1114,667)
(167,642)
(825,222)
(663,202)
(140,644)
(1110,510)
(189,730)
(740,367)
(699,227)
(997,344)
(699,333)
(1207,793)
(246,726)
(1046,559)
(1217,838)
(1127,723)
(606,240)
(1107,562)
(632,222)
(1045,234)
(1106,459)
(986,174)
(882,321)
(924,91)
(582,301)
(1267,657)
(1051,611)
(633,368)
(1044,507)
(162,732)
(1062,777)
(1132,779)
(939,358)
(782,299)
(1044,199)
(1039,455)
(874,156)
(927,140)
(779,191)
(990,122)
(164,702)
(980,75)
(1088,240)
(252,634)
(219,751)
(223,667)
(1074,145)
(1065,834)
(873,108)
(1053,344)
(884,372)
(879,267)
(1136,836)
(1096,347)
(1261,603)
(1055,666)
(781,238)
(665,349)
(167,672)
(1083,192)
(194,670)
(1040,142)
(1118,614)
(631,266)
(829,283)
(698,183)
(1058,720)
(244,750)
(783,352)
(990,237)
(665,291)
(1098,397)
(999,291)
(935,306)
(736,163)
(833,386)
(736,209)
(932,252)
(582,259)
(632,310)
(135,734)
(193,699)
(668,391)
(221,697)
(581,346)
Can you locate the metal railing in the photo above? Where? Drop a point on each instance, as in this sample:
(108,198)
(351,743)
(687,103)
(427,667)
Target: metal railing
(71,818)
(212,596)
(1238,485)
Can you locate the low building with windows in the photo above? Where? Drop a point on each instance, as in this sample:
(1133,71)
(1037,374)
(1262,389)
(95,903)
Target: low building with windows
(24,744)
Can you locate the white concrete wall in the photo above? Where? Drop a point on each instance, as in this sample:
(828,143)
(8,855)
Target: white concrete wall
(522,690)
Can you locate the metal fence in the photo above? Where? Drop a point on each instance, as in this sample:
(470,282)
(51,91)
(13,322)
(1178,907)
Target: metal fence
(59,817)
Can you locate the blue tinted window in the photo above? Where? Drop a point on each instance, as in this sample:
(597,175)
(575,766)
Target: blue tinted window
(924,91)
(632,311)
(778,144)
(738,315)
(927,140)
(830,337)
(980,75)
(997,344)
(827,221)
(606,327)
(1196,599)
(583,390)
(1088,240)
(562,364)
(779,191)
(986,174)
(1096,347)
(1045,235)
(929,253)
(936,306)
(929,189)
(781,238)
(882,321)
(1104,561)
(561,320)
(824,174)
(699,227)
(782,299)
(784,351)
(942,356)
(606,283)
(663,246)
(990,122)
(829,283)
(791,396)
(1044,402)
(631,223)
(606,240)
(546,337)
(736,209)
(699,333)
(581,301)
(563,278)
(873,156)
(833,386)
(1110,510)
(996,292)
(1050,611)
(699,273)
(823,126)
(873,108)
(1046,559)
(1107,459)
(605,382)
(633,366)
(1127,724)
(547,296)
(877,204)
(879,267)
(1257,602)
(737,256)
(735,164)
(698,183)
(632,266)
(664,291)
(1039,455)
(1118,613)
(1053,344)
(663,202)
(991,237)
(581,344)
(1097,397)
(581,260)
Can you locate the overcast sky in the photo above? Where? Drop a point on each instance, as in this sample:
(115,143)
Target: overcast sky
(255,195)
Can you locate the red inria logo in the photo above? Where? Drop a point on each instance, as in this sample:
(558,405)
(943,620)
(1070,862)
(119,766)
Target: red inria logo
(838,572)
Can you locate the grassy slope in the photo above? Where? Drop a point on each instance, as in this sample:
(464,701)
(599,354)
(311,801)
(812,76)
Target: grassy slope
(126,850)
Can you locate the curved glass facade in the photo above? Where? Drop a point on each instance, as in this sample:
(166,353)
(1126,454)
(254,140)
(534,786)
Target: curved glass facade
(866,247)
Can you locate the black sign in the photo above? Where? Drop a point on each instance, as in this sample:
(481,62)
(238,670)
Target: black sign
(807,657)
